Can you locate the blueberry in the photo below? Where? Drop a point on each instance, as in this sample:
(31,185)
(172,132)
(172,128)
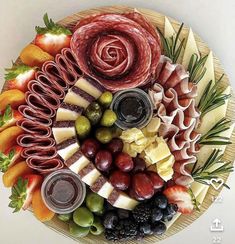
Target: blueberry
(159,228)
(110,220)
(146,228)
(123,214)
(157,215)
(172,208)
(160,201)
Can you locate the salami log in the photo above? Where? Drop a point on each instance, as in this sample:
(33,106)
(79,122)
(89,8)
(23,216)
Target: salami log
(119,51)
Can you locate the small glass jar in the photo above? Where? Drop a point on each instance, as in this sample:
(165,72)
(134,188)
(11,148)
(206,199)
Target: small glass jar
(63,191)
(133,108)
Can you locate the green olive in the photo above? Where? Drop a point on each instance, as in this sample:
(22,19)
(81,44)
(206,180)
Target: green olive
(105,99)
(104,135)
(83,126)
(108,118)
(94,113)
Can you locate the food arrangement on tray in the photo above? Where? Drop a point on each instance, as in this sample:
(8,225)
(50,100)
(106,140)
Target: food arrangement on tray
(113,125)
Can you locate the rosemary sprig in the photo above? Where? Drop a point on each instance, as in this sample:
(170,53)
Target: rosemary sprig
(195,68)
(212,97)
(212,137)
(196,204)
(203,174)
(170,45)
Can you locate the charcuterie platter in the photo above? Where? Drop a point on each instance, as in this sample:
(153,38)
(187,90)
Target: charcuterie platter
(115,125)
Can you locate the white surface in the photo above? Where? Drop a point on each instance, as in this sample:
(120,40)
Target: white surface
(213,20)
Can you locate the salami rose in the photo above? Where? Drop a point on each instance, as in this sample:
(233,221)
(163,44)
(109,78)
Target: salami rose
(120,51)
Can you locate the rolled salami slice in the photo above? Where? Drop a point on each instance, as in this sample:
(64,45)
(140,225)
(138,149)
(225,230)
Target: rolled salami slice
(52,85)
(29,140)
(34,128)
(45,166)
(36,102)
(34,115)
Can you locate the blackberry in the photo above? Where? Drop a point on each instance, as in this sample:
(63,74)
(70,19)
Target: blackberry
(142,213)
(125,230)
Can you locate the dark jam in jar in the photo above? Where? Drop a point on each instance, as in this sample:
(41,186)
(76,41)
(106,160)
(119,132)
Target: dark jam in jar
(133,108)
(63,191)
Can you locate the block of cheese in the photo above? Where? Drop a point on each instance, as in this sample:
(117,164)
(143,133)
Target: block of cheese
(68,112)
(165,168)
(214,116)
(63,130)
(208,76)
(90,86)
(190,49)
(67,148)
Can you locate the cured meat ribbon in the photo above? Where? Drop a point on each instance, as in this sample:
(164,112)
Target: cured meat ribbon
(43,98)
(173,97)
(120,51)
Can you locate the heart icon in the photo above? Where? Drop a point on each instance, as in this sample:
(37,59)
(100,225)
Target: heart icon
(216,183)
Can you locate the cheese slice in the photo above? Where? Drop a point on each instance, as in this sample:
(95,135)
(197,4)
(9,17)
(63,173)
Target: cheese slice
(214,116)
(73,98)
(169,31)
(79,164)
(208,76)
(125,202)
(65,114)
(63,133)
(105,190)
(190,49)
(91,177)
(67,152)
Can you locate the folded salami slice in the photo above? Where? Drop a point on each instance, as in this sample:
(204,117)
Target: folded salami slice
(34,128)
(34,115)
(45,166)
(52,85)
(29,140)
(51,69)
(40,153)
(36,102)
(68,55)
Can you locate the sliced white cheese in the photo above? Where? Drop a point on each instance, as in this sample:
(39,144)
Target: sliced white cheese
(214,116)
(170,223)
(67,152)
(208,76)
(65,114)
(79,164)
(125,202)
(63,133)
(105,190)
(73,98)
(190,49)
(200,198)
(83,84)
(91,177)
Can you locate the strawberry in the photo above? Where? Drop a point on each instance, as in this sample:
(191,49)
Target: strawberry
(9,118)
(10,157)
(180,195)
(53,37)
(18,77)
(22,191)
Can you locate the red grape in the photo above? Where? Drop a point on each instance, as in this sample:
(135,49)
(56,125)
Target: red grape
(90,147)
(157,181)
(124,162)
(143,186)
(133,194)
(103,160)
(139,164)
(120,180)
(115,145)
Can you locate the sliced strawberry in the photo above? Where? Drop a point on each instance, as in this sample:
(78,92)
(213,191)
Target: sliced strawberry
(18,77)
(22,191)
(9,118)
(180,195)
(10,157)
(53,37)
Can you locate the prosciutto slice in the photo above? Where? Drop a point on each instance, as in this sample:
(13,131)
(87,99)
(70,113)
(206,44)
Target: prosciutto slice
(120,51)
(173,97)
